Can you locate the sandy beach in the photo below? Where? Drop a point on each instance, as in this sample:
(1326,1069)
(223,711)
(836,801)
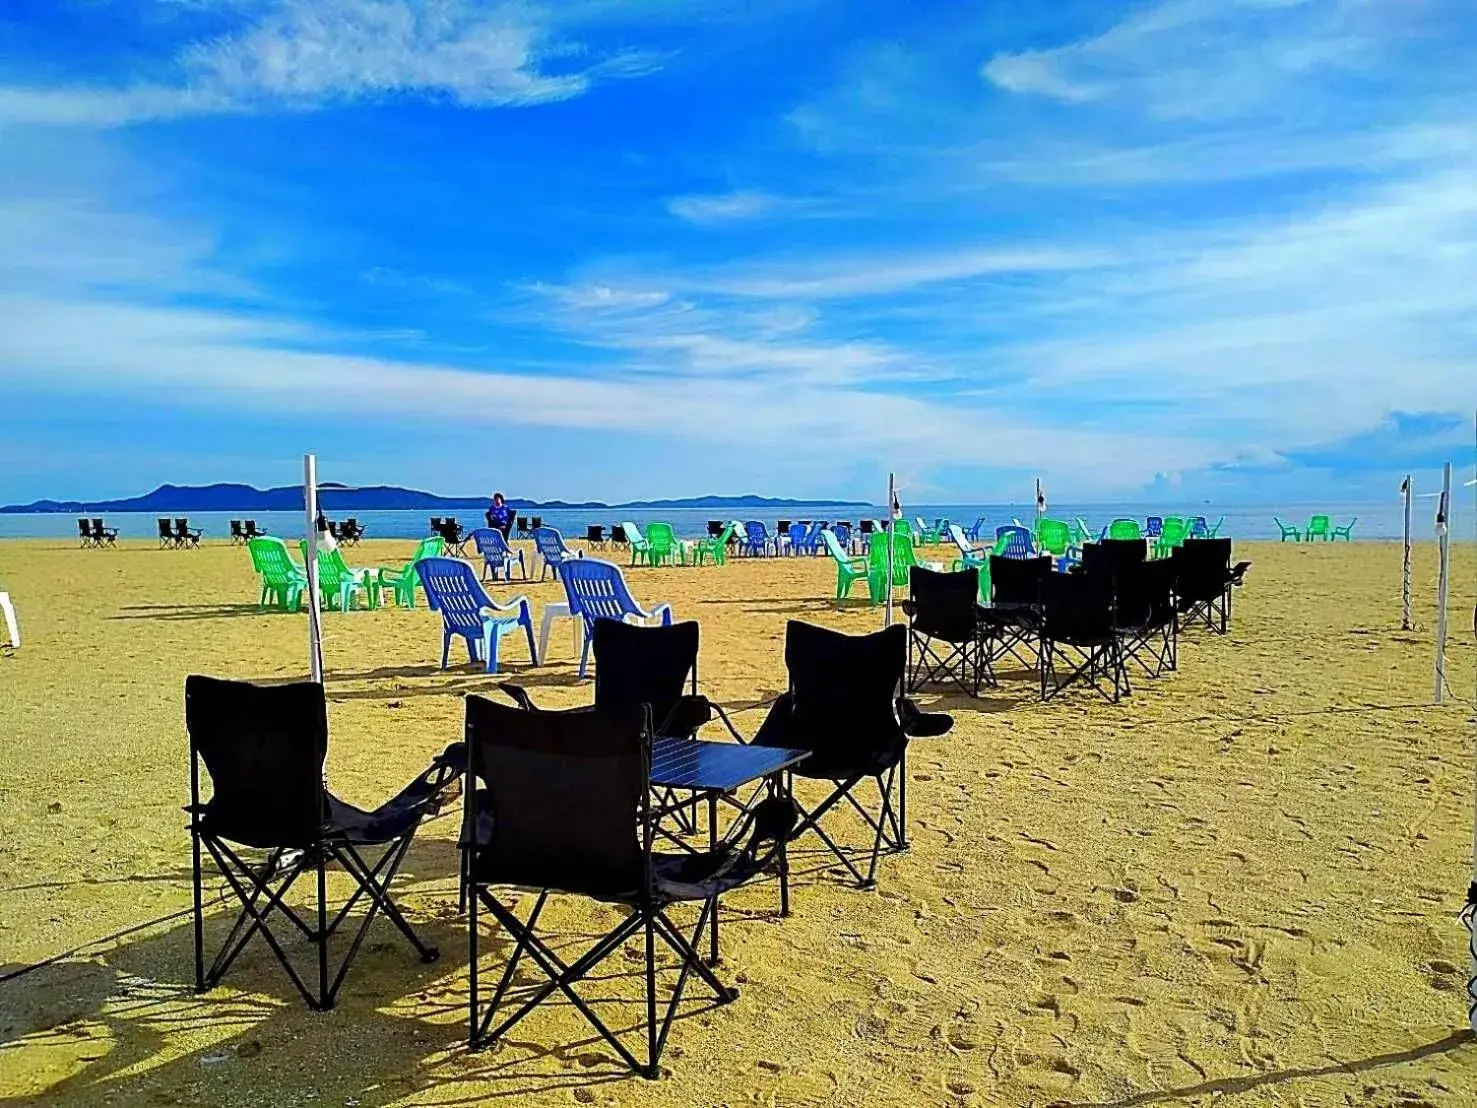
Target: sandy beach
(1239,886)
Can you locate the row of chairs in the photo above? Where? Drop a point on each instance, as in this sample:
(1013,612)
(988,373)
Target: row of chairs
(557,802)
(177,534)
(92,533)
(243,532)
(1117,606)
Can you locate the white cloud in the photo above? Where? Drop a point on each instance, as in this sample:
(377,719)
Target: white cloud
(300,54)
(727,207)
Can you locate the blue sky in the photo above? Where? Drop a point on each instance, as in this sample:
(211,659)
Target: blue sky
(624,248)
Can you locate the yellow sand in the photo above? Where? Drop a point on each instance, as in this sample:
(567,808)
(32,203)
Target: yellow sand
(1240,884)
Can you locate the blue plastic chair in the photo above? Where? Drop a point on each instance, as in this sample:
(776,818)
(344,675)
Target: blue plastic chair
(551,549)
(1153,527)
(756,539)
(497,555)
(805,538)
(1199,528)
(469,613)
(973,533)
(596,590)
(842,531)
(1018,542)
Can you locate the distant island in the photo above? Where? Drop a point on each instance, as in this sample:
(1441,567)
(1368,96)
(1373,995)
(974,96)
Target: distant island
(172,499)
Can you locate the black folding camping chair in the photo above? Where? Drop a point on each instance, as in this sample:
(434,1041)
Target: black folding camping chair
(944,629)
(562,804)
(167,536)
(845,706)
(1079,636)
(271,820)
(1144,615)
(1203,580)
(1011,625)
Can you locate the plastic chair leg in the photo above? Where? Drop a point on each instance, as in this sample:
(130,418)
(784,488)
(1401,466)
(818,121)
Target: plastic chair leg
(11,627)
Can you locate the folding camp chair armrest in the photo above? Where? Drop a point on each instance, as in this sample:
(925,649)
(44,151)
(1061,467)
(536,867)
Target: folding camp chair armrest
(728,723)
(519,695)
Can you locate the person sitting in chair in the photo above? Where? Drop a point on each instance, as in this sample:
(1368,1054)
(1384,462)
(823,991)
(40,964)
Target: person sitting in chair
(500,515)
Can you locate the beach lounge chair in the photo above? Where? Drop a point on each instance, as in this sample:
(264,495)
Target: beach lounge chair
(497,555)
(756,541)
(12,627)
(715,547)
(595,590)
(167,537)
(574,815)
(340,586)
(1319,527)
(1286,532)
(845,705)
(637,541)
(663,546)
(185,535)
(264,749)
(283,580)
(1344,531)
(969,554)
(849,570)
(470,614)
(1079,640)
(1122,528)
(1017,540)
(402,581)
(1153,527)
(238,534)
(549,544)
(943,629)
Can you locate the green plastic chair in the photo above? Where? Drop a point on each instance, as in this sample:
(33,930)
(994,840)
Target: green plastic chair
(1125,529)
(283,580)
(1287,532)
(1345,531)
(903,527)
(849,570)
(639,546)
(662,546)
(338,585)
(1173,533)
(1081,533)
(1054,537)
(1318,528)
(402,582)
(903,560)
(716,547)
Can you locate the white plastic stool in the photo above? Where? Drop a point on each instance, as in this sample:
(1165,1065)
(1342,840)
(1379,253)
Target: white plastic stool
(552,612)
(10,624)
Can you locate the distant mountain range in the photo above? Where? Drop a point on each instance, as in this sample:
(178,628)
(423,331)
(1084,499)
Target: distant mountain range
(335,499)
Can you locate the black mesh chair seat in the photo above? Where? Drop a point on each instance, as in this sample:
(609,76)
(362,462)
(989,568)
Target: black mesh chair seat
(263,749)
(562,805)
(845,707)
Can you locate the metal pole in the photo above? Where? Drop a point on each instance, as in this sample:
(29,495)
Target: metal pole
(891,538)
(1409,488)
(1443,588)
(1040,506)
(315,627)
(1470,909)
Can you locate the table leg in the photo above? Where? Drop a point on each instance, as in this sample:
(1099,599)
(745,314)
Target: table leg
(777,789)
(713,845)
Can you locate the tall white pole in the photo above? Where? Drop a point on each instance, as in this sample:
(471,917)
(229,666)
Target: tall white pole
(1443,587)
(1471,907)
(315,625)
(1409,488)
(891,530)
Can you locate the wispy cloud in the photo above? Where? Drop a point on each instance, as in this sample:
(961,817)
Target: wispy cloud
(299,54)
(734,207)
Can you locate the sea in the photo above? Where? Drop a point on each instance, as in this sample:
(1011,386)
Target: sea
(1379,521)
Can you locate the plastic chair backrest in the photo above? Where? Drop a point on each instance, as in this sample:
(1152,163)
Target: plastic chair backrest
(1199,528)
(1174,531)
(1125,529)
(660,538)
(270,558)
(550,545)
(490,543)
(1153,525)
(1318,525)
(633,533)
(842,531)
(1017,542)
(451,588)
(833,546)
(1054,535)
(596,590)
(960,539)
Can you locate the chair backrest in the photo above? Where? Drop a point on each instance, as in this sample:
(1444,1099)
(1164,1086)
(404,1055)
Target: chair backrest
(833,546)
(842,531)
(1318,525)
(270,558)
(1054,535)
(1144,592)
(567,792)
(1202,568)
(1076,608)
(97,525)
(844,688)
(799,534)
(182,527)
(756,534)
(236,532)
(866,526)
(944,604)
(84,528)
(431,547)
(1018,542)
(594,533)
(166,529)
(550,545)
(1111,555)
(596,590)
(522,523)
(632,533)
(618,534)
(1153,525)
(1124,529)
(536,522)
(661,538)
(1199,527)
(1174,530)
(251,531)
(263,748)
(451,587)
(715,528)
(902,527)
(782,527)
(644,665)
(956,534)
(435,523)
(1017,580)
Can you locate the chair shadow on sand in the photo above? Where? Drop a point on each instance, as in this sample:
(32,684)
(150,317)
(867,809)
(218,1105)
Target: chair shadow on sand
(174,612)
(134,1031)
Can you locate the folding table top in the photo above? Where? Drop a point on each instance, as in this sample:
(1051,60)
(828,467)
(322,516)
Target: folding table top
(707,766)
